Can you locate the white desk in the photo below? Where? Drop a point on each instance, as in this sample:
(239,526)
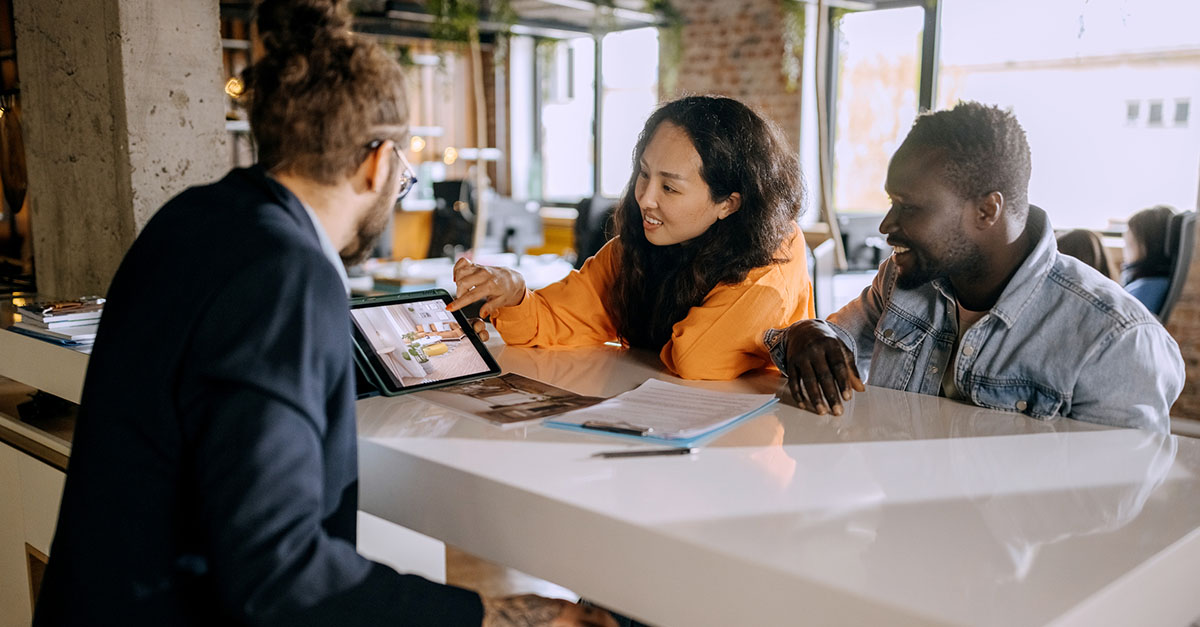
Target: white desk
(907,510)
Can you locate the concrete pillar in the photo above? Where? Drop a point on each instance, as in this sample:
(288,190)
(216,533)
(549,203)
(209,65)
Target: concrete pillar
(123,108)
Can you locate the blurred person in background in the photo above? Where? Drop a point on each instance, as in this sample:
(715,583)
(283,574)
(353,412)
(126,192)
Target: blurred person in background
(1087,247)
(1146,273)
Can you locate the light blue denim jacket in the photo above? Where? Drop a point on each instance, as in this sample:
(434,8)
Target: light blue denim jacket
(1062,340)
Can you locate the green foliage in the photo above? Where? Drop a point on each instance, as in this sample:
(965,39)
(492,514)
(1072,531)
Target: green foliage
(794,13)
(835,16)
(670,44)
(502,13)
(404,57)
(545,49)
(457,21)
(453,20)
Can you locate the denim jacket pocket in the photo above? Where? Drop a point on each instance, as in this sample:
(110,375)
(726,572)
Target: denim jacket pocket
(899,332)
(898,343)
(1019,395)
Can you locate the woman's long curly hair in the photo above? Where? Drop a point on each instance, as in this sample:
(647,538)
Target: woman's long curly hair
(740,152)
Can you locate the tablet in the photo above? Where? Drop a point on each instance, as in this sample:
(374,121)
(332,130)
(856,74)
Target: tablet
(409,342)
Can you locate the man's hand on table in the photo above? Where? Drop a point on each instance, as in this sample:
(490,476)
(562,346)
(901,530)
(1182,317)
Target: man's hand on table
(530,610)
(820,368)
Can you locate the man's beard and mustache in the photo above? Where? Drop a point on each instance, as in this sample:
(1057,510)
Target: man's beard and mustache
(963,258)
(372,224)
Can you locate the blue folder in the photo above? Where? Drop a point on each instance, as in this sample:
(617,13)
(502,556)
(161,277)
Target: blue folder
(652,439)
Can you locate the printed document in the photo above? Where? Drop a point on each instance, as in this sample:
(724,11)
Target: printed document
(658,409)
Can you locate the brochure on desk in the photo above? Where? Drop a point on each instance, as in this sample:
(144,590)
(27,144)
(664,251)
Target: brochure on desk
(507,400)
(665,413)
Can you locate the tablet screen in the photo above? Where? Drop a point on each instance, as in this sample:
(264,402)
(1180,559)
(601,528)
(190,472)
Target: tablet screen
(411,342)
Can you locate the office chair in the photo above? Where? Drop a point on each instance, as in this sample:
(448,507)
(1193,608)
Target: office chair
(593,226)
(453,218)
(1181,243)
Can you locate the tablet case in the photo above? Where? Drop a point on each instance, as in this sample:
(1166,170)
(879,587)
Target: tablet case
(373,383)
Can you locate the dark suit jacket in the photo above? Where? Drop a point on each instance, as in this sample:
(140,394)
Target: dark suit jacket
(213,476)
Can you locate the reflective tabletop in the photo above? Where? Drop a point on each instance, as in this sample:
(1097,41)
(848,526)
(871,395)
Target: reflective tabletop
(907,509)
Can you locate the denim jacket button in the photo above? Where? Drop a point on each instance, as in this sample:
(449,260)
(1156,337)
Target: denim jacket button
(888,333)
(933,370)
(1021,405)
(968,350)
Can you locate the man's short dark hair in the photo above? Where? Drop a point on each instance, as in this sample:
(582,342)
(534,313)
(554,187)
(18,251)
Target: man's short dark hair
(984,149)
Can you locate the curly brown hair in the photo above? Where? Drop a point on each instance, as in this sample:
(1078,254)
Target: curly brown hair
(741,152)
(320,93)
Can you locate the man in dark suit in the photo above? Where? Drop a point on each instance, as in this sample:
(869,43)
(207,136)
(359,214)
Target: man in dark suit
(213,477)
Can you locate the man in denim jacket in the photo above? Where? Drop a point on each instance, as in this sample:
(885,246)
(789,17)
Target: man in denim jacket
(976,303)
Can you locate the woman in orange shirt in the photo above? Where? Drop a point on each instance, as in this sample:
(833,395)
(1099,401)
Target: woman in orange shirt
(707,257)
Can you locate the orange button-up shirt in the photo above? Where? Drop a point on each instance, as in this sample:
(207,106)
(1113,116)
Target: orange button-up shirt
(719,339)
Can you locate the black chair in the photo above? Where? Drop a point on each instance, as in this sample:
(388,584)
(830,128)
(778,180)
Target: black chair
(453,218)
(593,226)
(1181,243)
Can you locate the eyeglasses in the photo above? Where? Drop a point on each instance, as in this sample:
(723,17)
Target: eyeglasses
(409,180)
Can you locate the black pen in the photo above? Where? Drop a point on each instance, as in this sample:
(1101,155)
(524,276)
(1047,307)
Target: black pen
(646,453)
(622,428)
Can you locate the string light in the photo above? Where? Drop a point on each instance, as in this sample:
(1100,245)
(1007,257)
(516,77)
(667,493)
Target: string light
(234,87)
(450,156)
(417,143)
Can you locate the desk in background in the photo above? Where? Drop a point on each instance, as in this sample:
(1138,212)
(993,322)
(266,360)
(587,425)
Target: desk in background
(411,275)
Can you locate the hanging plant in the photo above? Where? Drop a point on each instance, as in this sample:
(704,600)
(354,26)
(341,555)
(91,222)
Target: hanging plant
(453,20)
(458,20)
(545,49)
(404,56)
(794,17)
(670,44)
(605,20)
(835,16)
(501,12)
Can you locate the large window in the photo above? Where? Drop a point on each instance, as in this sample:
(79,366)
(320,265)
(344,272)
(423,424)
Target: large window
(567,76)
(1102,89)
(554,152)
(878,62)
(630,72)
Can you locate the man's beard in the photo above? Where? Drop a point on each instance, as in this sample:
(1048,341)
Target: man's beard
(964,260)
(372,224)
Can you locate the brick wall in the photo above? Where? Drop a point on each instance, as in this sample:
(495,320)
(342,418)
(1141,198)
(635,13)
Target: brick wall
(1185,327)
(735,49)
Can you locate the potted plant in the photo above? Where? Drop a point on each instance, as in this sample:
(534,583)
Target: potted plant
(419,354)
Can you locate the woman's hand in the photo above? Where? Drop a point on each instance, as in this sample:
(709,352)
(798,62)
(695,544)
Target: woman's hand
(480,328)
(498,287)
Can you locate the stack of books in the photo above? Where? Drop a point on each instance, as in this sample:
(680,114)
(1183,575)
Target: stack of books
(66,322)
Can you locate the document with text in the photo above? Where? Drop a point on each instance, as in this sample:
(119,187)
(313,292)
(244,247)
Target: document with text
(665,411)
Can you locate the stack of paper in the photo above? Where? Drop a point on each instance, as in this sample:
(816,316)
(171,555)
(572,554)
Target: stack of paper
(665,412)
(66,322)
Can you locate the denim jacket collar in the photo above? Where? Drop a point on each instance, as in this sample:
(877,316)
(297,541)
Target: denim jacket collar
(1024,284)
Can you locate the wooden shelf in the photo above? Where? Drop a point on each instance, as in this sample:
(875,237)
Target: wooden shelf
(53,369)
